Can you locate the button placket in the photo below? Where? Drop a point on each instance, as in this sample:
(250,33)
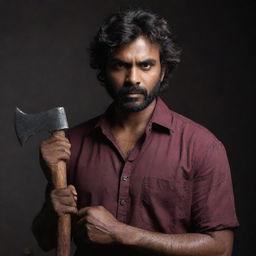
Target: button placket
(123,199)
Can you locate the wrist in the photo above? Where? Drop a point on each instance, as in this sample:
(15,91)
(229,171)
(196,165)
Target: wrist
(125,234)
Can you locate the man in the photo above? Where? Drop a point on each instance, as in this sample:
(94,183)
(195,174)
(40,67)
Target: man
(144,180)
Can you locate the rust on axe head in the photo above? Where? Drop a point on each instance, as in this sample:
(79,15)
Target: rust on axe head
(26,125)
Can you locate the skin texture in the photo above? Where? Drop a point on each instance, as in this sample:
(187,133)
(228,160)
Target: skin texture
(133,65)
(126,68)
(134,69)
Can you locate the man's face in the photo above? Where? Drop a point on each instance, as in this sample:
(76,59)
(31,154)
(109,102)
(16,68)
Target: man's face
(133,75)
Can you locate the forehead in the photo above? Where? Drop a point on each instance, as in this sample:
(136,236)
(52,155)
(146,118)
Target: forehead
(139,49)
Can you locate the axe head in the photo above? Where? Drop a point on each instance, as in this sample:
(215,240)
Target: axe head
(26,125)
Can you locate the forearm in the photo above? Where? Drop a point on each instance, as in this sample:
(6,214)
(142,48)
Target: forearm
(217,243)
(44,227)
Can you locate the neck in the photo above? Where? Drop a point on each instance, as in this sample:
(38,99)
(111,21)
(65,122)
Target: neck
(131,121)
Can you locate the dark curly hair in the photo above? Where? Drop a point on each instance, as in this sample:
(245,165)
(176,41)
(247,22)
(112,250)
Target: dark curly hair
(126,26)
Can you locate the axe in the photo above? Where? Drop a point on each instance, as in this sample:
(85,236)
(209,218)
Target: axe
(27,125)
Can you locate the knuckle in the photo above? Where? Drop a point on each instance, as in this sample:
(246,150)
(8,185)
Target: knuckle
(56,207)
(55,135)
(70,187)
(89,219)
(55,194)
(60,211)
(89,211)
(68,191)
(72,209)
(70,201)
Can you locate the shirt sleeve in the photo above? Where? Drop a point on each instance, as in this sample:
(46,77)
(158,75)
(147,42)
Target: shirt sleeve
(212,200)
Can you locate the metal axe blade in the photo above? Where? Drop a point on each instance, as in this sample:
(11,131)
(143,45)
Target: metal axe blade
(27,125)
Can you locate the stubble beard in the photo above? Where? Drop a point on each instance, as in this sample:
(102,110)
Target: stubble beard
(129,104)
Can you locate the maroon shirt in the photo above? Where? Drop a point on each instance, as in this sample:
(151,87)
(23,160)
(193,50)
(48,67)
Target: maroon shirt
(176,180)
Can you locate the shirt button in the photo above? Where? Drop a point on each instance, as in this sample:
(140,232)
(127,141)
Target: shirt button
(125,178)
(122,202)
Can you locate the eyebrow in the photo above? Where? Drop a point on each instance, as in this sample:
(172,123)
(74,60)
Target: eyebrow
(148,61)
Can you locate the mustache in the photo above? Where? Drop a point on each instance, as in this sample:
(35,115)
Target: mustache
(131,89)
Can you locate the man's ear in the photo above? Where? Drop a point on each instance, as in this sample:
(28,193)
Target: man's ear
(163,69)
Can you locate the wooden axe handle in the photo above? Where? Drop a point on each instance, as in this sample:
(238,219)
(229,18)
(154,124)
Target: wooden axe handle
(59,180)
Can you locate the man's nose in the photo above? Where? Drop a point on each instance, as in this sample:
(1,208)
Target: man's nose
(133,76)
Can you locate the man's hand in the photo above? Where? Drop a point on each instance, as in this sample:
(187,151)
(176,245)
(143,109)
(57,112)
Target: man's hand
(54,149)
(98,225)
(64,200)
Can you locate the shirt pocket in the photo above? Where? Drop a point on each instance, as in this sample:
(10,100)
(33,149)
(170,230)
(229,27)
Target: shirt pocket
(163,203)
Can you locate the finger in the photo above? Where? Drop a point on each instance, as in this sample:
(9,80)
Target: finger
(71,210)
(62,192)
(60,138)
(62,149)
(67,210)
(73,190)
(67,201)
(63,141)
(54,139)
(83,212)
(62,156)
(51,150)
(53,144)
(64,200)
(53,157)
(59,133)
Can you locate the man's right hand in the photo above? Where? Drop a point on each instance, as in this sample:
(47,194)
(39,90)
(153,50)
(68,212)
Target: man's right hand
(64,200)
(54,149)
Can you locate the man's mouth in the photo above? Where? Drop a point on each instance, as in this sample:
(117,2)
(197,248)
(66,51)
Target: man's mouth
(133,94)
(131,97)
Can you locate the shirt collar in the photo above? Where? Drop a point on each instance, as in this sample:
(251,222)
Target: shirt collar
(162,116)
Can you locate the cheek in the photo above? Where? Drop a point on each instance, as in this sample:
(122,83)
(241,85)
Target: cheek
(150,79)
(116,78)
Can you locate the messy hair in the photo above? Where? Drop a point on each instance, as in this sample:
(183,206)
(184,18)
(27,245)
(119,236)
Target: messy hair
(126,26)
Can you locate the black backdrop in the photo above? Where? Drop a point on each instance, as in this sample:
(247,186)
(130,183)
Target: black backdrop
(44,63)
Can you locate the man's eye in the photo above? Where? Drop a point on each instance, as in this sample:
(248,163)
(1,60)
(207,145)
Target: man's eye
(146,66)
(118,66)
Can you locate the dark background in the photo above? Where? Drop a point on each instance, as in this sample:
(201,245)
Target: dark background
(44,63)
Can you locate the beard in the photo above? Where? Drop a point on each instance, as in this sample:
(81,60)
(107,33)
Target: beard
(129,104)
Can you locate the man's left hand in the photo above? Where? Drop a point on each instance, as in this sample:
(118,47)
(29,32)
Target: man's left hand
(98,225)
